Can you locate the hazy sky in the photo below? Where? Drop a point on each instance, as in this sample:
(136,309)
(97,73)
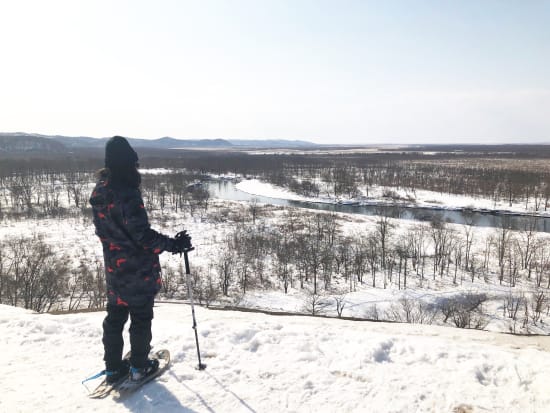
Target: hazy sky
(334,71)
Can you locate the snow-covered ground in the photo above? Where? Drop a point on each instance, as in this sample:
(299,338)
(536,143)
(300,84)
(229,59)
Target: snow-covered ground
(155,171)
(257,187)
(265,363)
(260,363)
(418,198)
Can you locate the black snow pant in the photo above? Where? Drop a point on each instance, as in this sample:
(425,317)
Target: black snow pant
(140,334)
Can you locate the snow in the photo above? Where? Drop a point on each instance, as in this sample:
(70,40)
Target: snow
(262,363)
(155,171)
(257,187)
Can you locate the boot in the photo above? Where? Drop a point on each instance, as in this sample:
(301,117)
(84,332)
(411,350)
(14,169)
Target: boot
(138,374)
(114,376)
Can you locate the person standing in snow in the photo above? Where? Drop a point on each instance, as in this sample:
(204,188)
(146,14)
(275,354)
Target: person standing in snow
(131,251)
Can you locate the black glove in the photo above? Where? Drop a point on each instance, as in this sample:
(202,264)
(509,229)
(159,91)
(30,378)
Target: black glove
(182,242)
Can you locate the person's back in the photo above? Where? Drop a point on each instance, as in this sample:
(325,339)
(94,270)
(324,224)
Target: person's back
(130,250)
(130,246)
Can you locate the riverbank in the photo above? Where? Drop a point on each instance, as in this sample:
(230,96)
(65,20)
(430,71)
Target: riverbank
(378,196)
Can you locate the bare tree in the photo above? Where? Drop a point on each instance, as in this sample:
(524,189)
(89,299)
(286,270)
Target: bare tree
(468,242)
(465,310)
(37,278)
(340,301)
(442,237)
(225,270)
(315,303)
(527,242)
(501,241)
(412,311)
(383,230)
(539,302)
(254,208)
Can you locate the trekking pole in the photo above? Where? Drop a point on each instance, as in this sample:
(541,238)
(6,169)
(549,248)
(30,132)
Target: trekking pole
(201,366)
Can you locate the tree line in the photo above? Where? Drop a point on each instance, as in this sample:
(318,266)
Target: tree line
(503,174)
(65,194)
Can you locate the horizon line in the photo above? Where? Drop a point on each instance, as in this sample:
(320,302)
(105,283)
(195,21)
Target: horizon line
(379,141)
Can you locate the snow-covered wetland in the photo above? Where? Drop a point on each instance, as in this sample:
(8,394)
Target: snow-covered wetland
(393,314)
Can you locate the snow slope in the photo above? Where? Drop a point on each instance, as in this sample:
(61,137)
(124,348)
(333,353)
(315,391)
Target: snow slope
(261,363)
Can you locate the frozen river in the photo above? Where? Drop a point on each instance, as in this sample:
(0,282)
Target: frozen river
(227,190)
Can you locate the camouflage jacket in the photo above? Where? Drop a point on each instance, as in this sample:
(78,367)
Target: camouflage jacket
(130,247)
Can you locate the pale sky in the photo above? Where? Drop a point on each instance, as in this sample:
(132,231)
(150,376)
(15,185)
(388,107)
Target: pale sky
(338,71)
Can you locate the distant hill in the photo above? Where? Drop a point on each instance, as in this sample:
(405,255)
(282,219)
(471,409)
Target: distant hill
(172,143)
(20,143)
(17,142)
(162,143)
(272,143)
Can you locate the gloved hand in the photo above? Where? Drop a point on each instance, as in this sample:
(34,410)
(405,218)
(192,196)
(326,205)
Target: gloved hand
(182,242)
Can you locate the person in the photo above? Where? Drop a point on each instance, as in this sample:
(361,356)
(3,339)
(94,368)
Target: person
(131,251)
